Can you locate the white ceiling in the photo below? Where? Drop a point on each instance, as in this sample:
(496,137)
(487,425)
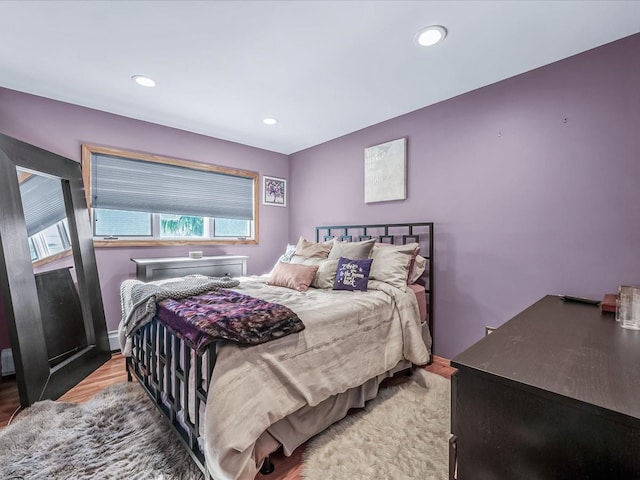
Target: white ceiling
(322,68)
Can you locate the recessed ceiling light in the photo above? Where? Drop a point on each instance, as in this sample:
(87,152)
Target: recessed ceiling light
(431,35)
(144,81)
(270,121)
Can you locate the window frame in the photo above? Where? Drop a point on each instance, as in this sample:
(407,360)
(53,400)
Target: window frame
(87,152)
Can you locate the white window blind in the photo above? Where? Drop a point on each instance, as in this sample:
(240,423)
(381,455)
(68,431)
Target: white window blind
(42,202)
(126,184)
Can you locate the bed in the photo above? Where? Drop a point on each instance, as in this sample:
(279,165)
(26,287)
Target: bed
(232,405)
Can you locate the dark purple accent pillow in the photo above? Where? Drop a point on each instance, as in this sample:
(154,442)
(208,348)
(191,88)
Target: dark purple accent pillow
(352,274)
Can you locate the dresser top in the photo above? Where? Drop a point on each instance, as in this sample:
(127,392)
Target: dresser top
(564,348)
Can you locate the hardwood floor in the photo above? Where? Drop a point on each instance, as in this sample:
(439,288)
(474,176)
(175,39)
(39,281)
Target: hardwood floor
(287,468)
(111,372)
(9,401)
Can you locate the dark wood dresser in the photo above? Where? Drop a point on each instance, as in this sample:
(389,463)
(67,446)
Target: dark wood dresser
(554,393)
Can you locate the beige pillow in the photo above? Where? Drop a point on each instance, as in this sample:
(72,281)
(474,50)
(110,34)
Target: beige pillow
(419,266)
(391,264)
(326,273)
(352,250)
(308,249)
(296,277)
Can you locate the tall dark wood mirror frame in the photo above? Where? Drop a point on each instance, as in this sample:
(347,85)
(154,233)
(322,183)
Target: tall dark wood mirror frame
(35,378)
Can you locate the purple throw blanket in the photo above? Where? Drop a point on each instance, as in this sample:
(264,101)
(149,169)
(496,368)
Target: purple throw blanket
(229,315)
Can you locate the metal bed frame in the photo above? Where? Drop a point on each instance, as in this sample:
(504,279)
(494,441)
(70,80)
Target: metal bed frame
(162,362)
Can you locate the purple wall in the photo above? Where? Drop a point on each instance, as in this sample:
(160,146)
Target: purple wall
(62,128)
(525,203)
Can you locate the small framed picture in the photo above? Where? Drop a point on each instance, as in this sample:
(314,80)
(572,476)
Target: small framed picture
(274,191)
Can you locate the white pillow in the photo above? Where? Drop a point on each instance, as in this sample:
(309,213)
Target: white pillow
(391,264)
(288,253)
(286,256)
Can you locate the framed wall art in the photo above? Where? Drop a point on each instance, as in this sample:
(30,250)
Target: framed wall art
(385,171)
(274,191)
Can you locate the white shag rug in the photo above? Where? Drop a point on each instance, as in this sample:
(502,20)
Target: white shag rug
(402,434)
(118,434)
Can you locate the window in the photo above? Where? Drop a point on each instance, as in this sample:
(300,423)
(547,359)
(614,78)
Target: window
(50,241)
(109,223)
(44,214)
(143,199)
(227,227)
(32,250)
(183,226)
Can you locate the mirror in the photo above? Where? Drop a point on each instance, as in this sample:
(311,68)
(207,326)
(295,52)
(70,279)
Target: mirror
(51,302)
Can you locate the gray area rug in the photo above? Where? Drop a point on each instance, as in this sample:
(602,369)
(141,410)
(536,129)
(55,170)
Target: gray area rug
(119,434)
(402,434)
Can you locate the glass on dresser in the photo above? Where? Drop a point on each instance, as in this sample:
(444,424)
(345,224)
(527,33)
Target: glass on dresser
(628,307)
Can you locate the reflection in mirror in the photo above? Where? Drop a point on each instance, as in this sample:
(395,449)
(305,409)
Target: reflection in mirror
(45,216)
(50,248)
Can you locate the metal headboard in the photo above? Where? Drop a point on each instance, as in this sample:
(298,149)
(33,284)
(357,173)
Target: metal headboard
(393,233)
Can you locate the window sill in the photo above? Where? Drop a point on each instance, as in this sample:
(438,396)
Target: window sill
(100,243)
(51,258)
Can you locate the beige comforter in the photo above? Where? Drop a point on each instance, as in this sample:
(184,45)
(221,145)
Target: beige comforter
(349,338)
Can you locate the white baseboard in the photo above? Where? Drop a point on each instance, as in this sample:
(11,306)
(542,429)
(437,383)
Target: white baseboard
(6,363)
(114,343)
